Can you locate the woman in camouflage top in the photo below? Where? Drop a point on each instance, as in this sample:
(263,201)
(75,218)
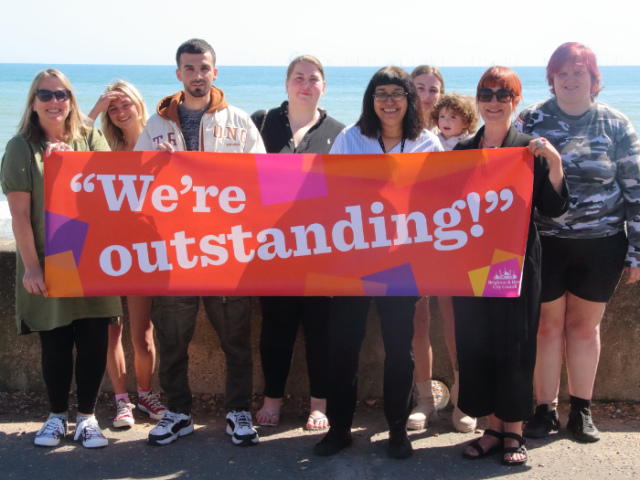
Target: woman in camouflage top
(586,249)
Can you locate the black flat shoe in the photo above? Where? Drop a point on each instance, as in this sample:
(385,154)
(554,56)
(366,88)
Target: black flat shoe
(581,425)
(478,448)
(333,442)
(542,423)
(399,445)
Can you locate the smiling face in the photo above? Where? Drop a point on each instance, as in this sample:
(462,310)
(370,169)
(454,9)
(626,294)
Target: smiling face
(51,114)
(572,84)
(123,112)
(390,112)
(495,112)
(450,123)
(306,85)
(429,90)
(197,73)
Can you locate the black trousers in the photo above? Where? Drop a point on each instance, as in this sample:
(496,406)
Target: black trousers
(348,321)
(496,368)
(281,318)
(91,339)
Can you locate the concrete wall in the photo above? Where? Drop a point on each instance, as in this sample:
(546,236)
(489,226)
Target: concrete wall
(618,375)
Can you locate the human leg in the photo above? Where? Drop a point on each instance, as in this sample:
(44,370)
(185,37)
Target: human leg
(174,319)
(57,366)
(280,322)
(92,341)
(315,321)
(421,344)
(142,339)
(116,367)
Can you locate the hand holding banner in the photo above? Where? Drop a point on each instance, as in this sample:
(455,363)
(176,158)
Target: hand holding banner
(152,223)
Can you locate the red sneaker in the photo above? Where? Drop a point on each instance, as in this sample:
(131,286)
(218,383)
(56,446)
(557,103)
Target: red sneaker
(124,415)
(151,404)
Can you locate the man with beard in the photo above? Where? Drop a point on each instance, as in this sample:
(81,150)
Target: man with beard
(199,119)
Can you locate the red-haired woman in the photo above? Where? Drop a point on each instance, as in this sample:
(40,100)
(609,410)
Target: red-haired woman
(586,249)
(496,337)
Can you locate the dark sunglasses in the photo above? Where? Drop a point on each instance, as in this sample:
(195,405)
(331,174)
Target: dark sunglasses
(502,95)
(46,95)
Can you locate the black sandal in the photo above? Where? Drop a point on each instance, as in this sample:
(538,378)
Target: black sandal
(478,448)
(519,449)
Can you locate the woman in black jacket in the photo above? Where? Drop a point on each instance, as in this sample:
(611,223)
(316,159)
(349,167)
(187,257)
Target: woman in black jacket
(496,337)
(297,126)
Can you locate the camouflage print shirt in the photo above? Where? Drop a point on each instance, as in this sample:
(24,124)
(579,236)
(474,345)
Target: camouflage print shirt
(600,156)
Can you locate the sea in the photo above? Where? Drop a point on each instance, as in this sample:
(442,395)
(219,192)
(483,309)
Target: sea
(254,88)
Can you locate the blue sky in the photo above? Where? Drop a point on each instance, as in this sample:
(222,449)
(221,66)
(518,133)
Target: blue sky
(339,32)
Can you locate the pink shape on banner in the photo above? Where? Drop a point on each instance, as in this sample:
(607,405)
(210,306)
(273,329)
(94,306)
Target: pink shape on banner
(503,279)
(287,178)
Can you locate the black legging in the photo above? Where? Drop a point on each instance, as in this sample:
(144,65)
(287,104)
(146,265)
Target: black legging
(347,331)
(91,338)
(281,318)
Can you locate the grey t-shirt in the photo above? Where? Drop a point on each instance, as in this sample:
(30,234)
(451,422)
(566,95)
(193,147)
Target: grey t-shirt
(190,123)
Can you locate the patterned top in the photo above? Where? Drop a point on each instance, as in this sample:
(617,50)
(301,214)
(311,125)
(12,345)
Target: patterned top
(190,121)
(351,141)
(600,156)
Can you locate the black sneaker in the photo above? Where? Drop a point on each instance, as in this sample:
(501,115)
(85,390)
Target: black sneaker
(542,423)
(399,445)
(172,426)
(581,425)
(334,441)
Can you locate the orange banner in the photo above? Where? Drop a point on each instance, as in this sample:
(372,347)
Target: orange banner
(194,223)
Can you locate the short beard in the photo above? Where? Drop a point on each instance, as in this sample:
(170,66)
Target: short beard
(197,93)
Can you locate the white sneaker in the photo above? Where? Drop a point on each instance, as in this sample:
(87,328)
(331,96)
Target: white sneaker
(172,426)
(240,427)
(89,431)
(51,432)
(124,415)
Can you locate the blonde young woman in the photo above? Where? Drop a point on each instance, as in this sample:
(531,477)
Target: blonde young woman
(53,122)
(124,115)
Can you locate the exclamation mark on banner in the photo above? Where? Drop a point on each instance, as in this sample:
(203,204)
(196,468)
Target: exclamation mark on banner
(473,200)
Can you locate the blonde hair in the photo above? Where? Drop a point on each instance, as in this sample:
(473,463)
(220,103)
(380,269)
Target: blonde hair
(114,135)
(305,58)
(29,126)
(429,70)
(462,105)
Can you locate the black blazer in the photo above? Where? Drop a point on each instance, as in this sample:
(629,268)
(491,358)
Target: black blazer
(525,310)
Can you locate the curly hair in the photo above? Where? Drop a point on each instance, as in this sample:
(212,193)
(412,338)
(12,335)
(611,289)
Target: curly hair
(412,123)
(461,105)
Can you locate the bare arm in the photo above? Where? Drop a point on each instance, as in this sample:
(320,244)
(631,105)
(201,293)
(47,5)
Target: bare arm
(20,207)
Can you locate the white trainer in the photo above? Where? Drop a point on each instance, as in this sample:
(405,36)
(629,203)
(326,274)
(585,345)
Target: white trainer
(88,430)
(240,427)
(124,415)
(172,426)
(51,432)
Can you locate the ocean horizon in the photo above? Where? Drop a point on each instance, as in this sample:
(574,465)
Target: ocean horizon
(254,88)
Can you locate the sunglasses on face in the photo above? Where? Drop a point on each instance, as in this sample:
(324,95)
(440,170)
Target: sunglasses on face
(46,95)
(502,95)
(396,97)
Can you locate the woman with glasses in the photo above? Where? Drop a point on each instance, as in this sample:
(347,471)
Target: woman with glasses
(124,116)
(53,122)
(586,250)
(496,337)
(391,122)
(296,126)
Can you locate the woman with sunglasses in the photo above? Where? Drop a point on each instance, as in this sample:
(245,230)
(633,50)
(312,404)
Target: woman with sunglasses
(53,122)
(496,337)
(297,126)
(391,122)
(585,251)
(124,116)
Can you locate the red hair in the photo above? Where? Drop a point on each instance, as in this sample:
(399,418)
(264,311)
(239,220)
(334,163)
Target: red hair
(502,77)
(579,55)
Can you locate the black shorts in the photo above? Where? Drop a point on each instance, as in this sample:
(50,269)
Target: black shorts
(588,268)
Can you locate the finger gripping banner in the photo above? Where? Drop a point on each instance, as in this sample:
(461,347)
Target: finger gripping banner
(195,223)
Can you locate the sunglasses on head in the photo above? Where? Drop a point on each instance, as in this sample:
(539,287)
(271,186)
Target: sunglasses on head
(46,95)
(502,95)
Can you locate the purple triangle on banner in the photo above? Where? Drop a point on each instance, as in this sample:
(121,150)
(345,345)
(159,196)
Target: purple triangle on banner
(64,234)
(399,280)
